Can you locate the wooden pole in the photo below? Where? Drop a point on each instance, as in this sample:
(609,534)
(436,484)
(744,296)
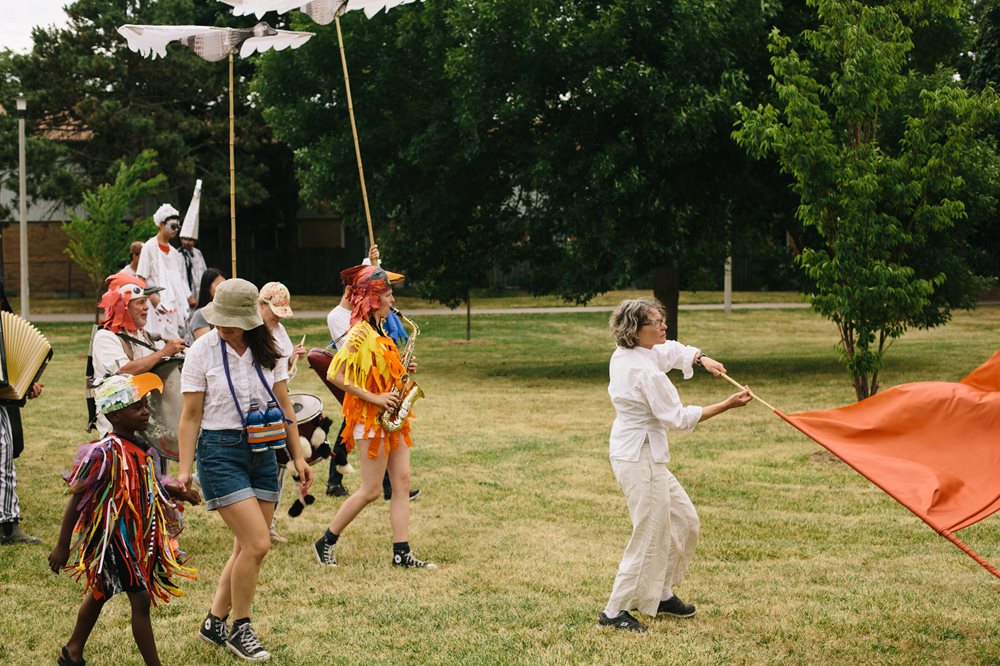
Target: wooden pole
(232,167)
(354,131)
(741,387)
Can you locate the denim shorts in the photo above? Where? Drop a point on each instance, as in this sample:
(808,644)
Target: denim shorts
(229,472)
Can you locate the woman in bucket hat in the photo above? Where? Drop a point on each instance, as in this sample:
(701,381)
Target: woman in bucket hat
(225,373)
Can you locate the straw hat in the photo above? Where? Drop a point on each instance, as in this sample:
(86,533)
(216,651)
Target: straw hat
(234,306)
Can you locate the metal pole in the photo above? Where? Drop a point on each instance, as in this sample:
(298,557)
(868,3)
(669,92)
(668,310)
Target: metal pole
(354,131)
(22,107)
(232,166)
(727,286)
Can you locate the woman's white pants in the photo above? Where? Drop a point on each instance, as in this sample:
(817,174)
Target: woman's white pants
(664,534)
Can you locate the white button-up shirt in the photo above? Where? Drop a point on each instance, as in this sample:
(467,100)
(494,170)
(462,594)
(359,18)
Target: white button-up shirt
(203,372)
(646,402)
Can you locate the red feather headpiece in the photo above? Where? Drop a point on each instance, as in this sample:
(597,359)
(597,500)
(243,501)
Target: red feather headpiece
(122,288)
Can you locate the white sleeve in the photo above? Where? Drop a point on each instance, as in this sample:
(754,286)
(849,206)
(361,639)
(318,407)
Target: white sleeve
(108,354)
(665,403)
(193,378)
(147,262)
(672,355)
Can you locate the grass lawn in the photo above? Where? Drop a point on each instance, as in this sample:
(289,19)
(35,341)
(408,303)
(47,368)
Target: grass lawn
(801,560)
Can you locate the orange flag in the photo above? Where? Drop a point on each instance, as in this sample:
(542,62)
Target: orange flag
(933,446)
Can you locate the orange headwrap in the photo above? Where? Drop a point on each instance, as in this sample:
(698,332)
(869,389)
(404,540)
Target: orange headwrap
(122,288)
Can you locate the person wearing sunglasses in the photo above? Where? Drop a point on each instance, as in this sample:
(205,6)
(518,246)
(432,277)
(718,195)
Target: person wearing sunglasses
(161,264)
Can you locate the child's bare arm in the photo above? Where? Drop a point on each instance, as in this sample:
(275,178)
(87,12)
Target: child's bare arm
(60,553)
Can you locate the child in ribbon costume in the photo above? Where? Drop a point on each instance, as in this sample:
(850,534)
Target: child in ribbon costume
(368,367)
(122,520)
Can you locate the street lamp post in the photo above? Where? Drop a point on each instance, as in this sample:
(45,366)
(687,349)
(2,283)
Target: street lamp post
(22,109)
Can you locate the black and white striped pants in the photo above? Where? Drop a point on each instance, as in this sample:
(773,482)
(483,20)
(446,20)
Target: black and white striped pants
(10,508)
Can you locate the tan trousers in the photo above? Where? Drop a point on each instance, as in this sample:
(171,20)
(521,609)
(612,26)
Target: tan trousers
(664,534)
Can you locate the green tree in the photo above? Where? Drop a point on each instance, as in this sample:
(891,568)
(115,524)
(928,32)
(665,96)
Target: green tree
(618,115)
(888,203)
(93,102)
(436,190)
(101,236)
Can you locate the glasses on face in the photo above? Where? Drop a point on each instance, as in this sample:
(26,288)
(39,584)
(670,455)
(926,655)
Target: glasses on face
(173,226)
(655,323)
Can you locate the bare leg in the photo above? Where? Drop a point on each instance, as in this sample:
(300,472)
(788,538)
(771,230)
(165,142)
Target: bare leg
(399,506)
(372,471)
(249,522)
(142,627)
(86,618)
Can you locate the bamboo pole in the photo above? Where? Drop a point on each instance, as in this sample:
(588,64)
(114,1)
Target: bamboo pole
(752,394)
(354,131)
(232,167)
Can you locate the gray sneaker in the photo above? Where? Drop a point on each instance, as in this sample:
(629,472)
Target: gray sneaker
(213,630)
(243,642)
(324,552)
(12,533)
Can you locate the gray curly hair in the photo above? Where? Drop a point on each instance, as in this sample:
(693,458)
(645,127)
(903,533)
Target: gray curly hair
(629,317)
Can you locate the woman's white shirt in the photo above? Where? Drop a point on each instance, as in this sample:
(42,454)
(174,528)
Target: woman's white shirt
(285,347)
(204,372)
(646,402)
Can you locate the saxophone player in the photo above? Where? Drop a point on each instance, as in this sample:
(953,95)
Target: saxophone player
(369,369)
(339,323)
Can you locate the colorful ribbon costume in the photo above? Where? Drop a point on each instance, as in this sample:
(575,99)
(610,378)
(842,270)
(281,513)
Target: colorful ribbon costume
(126,534)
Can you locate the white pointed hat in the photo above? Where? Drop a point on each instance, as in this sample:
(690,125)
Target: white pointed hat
(190,227)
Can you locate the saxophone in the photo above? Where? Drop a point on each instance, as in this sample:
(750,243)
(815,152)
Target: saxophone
(393,419)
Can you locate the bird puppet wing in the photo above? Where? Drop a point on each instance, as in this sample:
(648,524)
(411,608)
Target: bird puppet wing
(152,40)
(280,41)
(321,11)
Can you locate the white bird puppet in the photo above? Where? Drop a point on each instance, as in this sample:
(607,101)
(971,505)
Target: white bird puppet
(321,11)
(212,44)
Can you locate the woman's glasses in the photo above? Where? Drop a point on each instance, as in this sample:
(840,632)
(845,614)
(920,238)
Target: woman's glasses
(655,323)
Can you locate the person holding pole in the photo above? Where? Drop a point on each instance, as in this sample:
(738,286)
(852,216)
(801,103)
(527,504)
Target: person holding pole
(664,521)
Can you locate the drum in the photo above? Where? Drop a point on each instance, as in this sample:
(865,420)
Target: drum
(319,360)
(165,409)
(308,414)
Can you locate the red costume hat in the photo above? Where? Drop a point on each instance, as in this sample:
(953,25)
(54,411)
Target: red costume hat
(122,288)
(367,283)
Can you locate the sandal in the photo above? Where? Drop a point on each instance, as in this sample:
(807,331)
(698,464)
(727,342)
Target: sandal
(66,660)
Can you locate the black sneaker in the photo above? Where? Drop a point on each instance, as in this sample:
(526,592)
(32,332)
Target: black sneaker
(336,490)
(623,621)
(408,561)
(676,607)
(243,642)
(414,494)
(213,630)
(324,552)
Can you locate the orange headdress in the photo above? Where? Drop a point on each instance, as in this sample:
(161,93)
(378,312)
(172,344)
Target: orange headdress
(367,283)
(122,288)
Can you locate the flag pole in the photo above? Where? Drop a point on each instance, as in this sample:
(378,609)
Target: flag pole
(232,167)
(354,131)
(752,394)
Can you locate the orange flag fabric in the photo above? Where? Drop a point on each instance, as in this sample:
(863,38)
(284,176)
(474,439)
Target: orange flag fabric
(933,446)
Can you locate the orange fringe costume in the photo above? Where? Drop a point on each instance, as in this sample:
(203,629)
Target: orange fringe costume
(128,526)
(371,361)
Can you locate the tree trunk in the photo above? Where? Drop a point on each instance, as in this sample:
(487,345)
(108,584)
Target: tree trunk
(666,288)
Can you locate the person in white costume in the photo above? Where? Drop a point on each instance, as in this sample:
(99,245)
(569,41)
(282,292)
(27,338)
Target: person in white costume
(194,262)
(162,265)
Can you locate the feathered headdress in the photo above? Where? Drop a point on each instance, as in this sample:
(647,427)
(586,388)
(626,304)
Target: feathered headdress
(367,283)
(122,288)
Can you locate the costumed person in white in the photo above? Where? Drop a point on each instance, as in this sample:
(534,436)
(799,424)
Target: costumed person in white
(162,265)
(194,262)
(664,521)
